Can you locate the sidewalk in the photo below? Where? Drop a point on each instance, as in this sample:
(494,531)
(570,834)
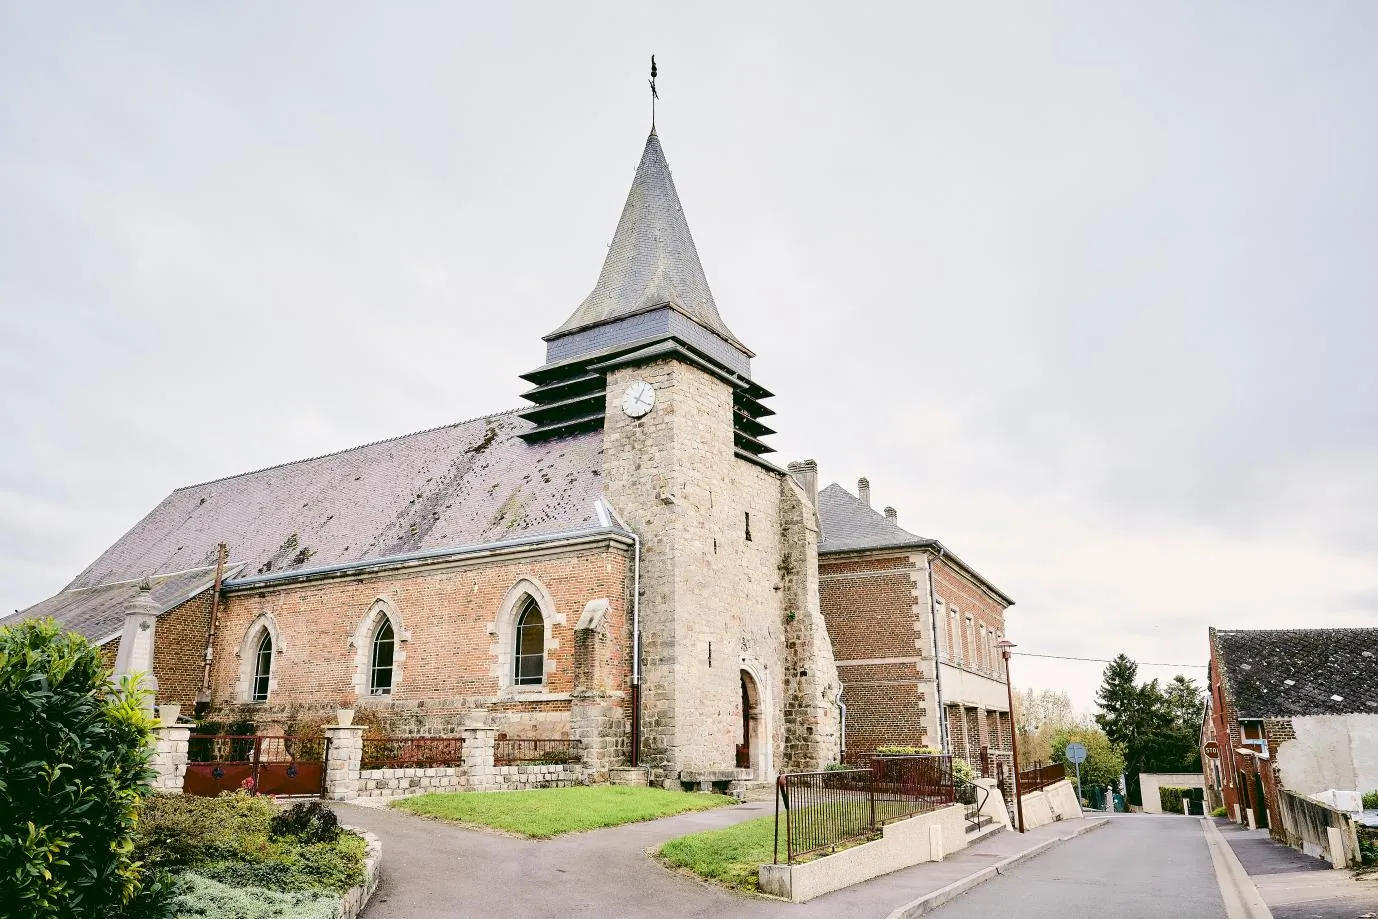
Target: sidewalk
(1295,885)
(923,888)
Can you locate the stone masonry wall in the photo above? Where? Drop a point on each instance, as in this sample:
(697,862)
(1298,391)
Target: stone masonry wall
(812,716)
(712,571)
(447,651)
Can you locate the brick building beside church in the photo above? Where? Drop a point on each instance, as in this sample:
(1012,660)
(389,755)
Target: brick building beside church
(616,563)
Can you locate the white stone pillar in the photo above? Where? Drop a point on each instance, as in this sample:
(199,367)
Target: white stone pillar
(478,756)
(170,749)
(344,760)
(136,642)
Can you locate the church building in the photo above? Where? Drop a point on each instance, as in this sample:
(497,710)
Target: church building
(616,563)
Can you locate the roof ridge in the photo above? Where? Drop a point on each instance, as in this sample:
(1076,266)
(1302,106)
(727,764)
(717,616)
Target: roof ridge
(372,443)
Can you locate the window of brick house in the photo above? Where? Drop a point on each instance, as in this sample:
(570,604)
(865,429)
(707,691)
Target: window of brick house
(263,668)
(529,653)
(380,669)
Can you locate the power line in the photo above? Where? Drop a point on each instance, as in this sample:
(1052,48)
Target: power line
(1101,660)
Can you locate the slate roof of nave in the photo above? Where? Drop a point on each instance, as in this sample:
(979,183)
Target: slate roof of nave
(652,260)
(467,484)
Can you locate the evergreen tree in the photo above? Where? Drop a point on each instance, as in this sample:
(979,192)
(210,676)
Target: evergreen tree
(1155,726)
(1118,698)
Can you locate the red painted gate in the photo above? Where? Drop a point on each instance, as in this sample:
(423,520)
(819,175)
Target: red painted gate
(262,765)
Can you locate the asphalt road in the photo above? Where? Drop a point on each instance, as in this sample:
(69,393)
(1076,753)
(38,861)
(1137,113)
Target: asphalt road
(1142,866)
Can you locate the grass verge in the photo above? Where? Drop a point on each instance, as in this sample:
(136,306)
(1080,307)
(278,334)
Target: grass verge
(730,856)
(544,812)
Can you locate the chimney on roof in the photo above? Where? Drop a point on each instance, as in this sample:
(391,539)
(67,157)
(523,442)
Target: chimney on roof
(805,473)
(863,490)
(892,516)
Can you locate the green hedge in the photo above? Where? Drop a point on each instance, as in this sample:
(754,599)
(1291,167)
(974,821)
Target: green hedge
(74,753)
(1171,798)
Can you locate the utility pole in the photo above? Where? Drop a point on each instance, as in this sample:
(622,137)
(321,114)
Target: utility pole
(1005,645)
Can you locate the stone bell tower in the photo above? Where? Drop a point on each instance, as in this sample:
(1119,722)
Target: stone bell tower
(722,532)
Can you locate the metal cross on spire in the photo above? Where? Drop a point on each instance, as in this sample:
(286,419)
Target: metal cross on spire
(654,95)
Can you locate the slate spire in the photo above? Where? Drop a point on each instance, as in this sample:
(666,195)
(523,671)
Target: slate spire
(652,260)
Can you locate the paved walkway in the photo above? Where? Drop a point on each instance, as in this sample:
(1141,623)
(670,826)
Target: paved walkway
(433,870)
(1295,885)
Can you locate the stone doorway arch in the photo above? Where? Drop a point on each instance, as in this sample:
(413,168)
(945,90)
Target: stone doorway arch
(753,742)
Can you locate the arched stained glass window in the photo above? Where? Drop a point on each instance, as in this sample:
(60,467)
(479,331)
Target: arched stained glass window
(380,668)
(263,668)
(529,653)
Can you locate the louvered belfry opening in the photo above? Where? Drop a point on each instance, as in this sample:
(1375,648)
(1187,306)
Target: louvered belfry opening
(651,301)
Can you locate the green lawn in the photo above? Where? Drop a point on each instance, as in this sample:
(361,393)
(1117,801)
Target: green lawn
(730,856)
(546,812)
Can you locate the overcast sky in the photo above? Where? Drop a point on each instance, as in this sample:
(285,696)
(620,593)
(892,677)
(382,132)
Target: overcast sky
(1089,293)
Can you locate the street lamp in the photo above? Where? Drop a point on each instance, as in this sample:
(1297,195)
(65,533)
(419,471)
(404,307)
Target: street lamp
(1005,645)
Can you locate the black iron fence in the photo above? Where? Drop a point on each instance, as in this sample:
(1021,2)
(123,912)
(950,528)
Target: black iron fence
(412,752)
(822,810)
(519,752)
(1040,776)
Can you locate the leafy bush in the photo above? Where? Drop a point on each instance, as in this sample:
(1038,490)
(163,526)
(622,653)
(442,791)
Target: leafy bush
(1371,801)
(232,839)
(74,756)
(309,821)
(202,897)
(895,750)
(1218,812)
(962,770)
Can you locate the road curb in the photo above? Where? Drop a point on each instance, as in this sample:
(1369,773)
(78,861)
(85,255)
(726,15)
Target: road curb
(1247,902)
(931,901)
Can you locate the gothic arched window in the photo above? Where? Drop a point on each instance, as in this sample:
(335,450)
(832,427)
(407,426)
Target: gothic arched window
(529,653)
(263,668)
(380,666)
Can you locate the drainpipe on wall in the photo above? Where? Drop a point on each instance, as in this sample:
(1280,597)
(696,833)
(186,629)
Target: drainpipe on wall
(842,733)
(636,636)
(944,739)
(203,698)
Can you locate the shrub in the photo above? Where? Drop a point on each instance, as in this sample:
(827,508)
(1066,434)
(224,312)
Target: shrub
(202,897)
(309,821)
(1218,812)
(900,750)
(177,831)
(1371,801)
(74,756)
(234,839)
(962,770)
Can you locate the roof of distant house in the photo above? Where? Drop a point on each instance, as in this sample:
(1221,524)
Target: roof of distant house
(462,485)
(1283,672)
(849,524)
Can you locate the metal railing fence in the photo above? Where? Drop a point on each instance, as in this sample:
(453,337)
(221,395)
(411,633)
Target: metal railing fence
(1040,776)
(412,752)
(822,810)
(509,752)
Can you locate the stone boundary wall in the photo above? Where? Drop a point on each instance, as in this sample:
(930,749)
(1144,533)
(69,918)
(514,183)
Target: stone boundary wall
(400,783)
(356,898)
(1318,830)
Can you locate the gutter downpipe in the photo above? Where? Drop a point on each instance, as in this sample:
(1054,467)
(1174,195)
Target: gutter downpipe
(204,696)
(842,733)
(944,738)
(636,634)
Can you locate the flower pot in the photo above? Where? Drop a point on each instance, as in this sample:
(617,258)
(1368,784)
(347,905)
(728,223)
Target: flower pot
(168,714)
(344,717)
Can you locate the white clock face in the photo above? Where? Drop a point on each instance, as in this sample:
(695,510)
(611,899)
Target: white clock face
(639,398)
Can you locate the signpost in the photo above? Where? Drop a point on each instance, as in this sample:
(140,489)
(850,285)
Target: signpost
(1076,755)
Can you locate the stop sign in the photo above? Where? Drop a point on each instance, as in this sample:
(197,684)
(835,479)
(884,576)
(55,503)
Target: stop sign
(1211,749)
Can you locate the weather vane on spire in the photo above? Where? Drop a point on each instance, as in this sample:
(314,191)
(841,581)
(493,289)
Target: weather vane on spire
(654,95)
